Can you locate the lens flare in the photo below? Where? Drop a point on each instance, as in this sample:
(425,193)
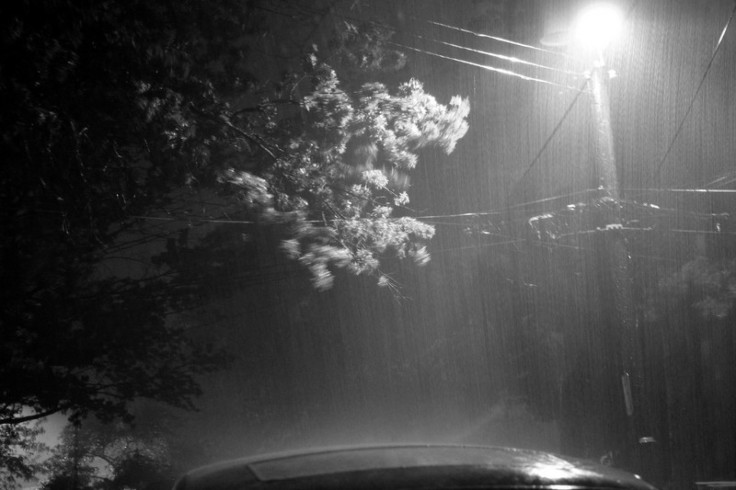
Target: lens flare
(598,25)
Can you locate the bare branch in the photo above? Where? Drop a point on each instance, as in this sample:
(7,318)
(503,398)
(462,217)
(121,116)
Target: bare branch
(238,130)
(28,418)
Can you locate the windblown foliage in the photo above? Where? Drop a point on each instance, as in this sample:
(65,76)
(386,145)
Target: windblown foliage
(341,176)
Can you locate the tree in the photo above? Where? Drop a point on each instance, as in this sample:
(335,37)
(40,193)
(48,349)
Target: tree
(708,285)
(112,110)
(85,147)
(16,443)
(72,464)
(115,455)
(336,176)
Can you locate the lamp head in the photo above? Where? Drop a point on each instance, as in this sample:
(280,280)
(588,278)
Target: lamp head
(597,25)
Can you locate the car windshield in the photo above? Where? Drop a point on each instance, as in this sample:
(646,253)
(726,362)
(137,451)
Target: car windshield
(243,227)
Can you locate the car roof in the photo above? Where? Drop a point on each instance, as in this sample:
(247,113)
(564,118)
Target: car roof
(409,466)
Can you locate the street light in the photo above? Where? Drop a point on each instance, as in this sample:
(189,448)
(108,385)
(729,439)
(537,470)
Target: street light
(597,26)
(594,29)
(586,36)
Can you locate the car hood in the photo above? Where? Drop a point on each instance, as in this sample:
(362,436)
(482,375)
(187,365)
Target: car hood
(408,467)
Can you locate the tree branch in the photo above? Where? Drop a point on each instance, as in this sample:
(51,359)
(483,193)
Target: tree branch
(259,108)
(28,418)
(230,125)
(252,138)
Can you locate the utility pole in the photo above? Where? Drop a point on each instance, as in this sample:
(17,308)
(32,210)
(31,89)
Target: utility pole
(605,158)
(617,285)
(589,33)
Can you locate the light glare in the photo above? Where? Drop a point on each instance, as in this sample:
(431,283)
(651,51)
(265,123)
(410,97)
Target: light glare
(598,25)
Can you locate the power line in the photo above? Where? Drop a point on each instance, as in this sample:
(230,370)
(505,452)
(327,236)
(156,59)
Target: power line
(193,220)
(496,38)
(502,71)
(471,214)
(510,59)
(553,198)
(723,180)
(553,133)
(687,191)
(697,91)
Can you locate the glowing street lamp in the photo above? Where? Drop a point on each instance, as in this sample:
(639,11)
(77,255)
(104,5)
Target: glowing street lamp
(597,26)
(594,29)
(587,35)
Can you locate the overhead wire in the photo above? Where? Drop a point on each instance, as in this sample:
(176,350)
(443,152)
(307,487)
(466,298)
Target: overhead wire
(502,71)
(722,181)
(496,38)
(551,136)
(511,59)
(554,198)
(687,191)
(695,95)
(471,214)
(274,272)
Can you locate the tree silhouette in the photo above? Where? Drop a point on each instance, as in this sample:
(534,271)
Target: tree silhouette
(119,111)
